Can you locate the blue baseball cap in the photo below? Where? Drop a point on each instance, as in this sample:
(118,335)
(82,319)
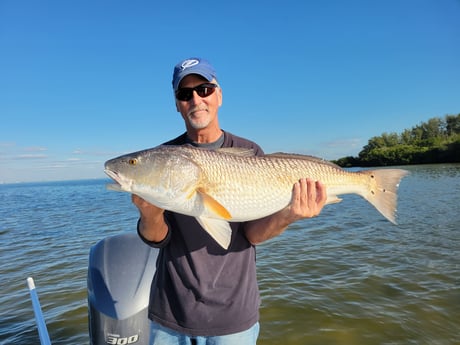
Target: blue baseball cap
(192,66)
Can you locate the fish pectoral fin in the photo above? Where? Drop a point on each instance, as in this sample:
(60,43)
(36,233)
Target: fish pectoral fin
(218,229)
(214,206)
(332,199)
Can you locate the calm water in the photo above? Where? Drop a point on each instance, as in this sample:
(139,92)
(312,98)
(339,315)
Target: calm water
(346,277)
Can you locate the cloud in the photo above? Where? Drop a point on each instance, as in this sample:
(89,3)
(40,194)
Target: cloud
(35,149)
(95,152)
(342,148)
(7,144)
(12,152)
(39,163)
(30,156)
(348,143)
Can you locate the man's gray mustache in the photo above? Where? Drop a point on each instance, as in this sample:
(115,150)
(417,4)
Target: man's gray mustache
(198,108)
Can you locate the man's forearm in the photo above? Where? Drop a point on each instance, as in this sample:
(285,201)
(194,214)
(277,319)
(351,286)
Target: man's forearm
(152,225)
(261,230)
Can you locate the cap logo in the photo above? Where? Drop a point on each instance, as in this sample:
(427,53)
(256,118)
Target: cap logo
(189,63)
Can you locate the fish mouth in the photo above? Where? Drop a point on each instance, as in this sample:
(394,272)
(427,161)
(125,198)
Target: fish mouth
(121,183)
(113,175)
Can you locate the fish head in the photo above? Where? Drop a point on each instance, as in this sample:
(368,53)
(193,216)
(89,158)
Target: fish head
(135,169)
(122,170)
(160,174)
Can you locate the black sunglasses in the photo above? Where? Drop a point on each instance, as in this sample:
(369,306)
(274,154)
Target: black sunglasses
(203,90)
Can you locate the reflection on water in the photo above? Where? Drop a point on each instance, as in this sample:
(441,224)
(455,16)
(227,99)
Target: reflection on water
(346,277)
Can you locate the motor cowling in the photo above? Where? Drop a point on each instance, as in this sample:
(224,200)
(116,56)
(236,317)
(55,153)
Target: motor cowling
(120,273)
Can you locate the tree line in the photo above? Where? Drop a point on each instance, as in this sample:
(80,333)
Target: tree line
(434,141)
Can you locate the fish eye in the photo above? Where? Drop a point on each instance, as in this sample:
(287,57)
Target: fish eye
(132,161)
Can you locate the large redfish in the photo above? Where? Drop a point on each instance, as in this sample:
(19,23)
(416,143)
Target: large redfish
(233,185)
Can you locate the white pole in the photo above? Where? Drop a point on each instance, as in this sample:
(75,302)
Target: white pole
(41,325)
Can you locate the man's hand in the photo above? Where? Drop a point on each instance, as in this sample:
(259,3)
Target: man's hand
(308,199)
(152,225)
(146,209)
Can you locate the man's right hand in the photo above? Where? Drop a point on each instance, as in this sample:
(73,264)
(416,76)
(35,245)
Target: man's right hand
(152,225)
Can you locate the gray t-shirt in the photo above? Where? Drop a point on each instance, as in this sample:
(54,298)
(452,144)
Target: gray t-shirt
(200,288)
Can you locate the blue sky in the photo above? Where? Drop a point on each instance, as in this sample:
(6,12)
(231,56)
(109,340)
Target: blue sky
(84,81)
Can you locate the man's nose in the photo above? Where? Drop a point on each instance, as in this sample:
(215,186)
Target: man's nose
(196,99)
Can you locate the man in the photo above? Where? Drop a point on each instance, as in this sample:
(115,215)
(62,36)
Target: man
(202,293)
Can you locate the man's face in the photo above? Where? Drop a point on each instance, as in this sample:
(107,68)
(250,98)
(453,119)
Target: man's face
(199,112)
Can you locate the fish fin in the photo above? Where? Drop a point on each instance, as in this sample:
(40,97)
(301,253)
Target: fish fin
(312,159)
(333,199)
(218,229)
(213,205)
(237,151)
(383,192)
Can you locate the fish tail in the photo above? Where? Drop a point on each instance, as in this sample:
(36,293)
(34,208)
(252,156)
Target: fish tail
(382,193)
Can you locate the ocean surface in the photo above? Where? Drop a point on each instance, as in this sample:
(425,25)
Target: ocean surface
(345,277)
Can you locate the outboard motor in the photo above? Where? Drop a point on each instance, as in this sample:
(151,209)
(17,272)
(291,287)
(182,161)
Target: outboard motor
(120,273)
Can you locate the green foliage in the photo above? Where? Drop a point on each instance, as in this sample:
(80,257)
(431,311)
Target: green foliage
(434,141)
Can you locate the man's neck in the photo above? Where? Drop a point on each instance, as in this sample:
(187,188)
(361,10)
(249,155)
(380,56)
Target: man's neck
(204,136)
(208,145)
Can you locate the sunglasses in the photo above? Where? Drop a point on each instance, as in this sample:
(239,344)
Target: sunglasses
(203,90)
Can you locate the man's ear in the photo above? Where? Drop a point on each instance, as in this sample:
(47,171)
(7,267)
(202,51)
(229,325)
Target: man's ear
(220,96)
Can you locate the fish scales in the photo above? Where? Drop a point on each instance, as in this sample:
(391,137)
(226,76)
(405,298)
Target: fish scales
(243,184)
